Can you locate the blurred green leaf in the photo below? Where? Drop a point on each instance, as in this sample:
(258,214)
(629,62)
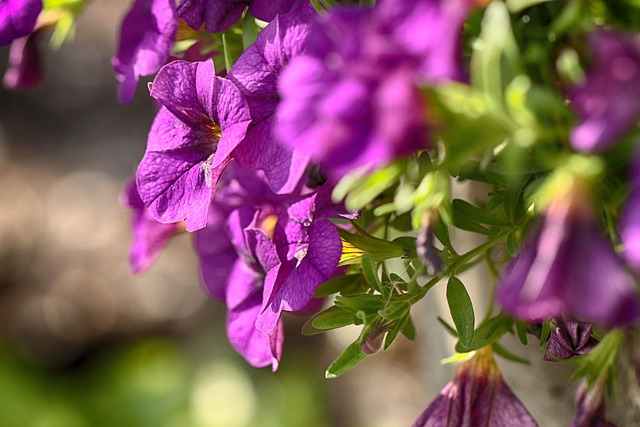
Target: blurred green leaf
(379,249)
(506,354)
(516,6)
(488,332)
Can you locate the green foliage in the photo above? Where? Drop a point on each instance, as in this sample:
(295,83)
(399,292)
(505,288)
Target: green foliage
(461,310)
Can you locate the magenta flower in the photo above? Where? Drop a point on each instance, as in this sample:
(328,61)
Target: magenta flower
(147,36)
(25,66)
(607,101)
(149,236)
(256,73)
(569,338)
(309,247)
(630,218)
(219,15)
(477,396)
(568,267)
(204,117)
(351,100)
(17,18)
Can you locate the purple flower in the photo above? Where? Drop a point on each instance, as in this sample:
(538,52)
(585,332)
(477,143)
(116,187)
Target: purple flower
(256,73)
(309,246)
(149,235)
(568,267)
(569,338)
(219,15)
(203,118)
(630,218)
(25,67)
(240,261)
(350,100)
(607,102)
(476,396)
(17,18)
(147,36)
(590,411)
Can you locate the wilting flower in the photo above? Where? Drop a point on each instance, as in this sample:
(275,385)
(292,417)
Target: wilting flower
(17,18)
(309,246)
(149,235)
(607,101)
(476,396)
(256,74)
(351,100)
(25,67)
(204,117)
(590,411)
(219,15)
(569,338)
(567,266)
(147,36)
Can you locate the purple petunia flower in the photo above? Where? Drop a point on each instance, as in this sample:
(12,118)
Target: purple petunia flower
(569,338)
(149,235)
(25,66)
(147,36)
(309,246)
(204,117)
(219,15)
(607,101)
(17,18)
(476,396)
(590,411)
(351,100)
(256,73)
(567,266)
(630,218)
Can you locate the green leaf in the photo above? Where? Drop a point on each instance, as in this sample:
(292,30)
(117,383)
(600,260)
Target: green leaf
(448,327)
(496,59)
(461,310)
(545,333)
(512,244)
(349,358)
(250,30)
(370,272)
(372,185)
(521,330)
(501,351)
(345,285)
(367,303)
(488,332)
(601,361)
(476,214)
(516,6)
(332,318)
(463,222)
(409,329)
(395,311)
(379,249)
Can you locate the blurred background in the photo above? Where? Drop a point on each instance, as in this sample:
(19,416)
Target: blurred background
(83,342)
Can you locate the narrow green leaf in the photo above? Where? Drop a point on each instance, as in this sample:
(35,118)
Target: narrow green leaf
(345,285)
(349,358)
(545,333)
(372,185)
(461,310)
(370,272)
(501,351)
(488,332)
(448,327)
(409,329)
(332,318)
(379,249)
(250,30)
(477,214)
(512,244)
(521,330)
(363,302)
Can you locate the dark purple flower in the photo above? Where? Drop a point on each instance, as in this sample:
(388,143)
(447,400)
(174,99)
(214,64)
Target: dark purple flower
(351,100)
(204,117)
(17,18)
(25,67)
(477,396)
(149,235)
(219,15)
(309,246)
(568,267)
(147,36)
(608,102)
(256,73)
(590,411)
(569,338)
